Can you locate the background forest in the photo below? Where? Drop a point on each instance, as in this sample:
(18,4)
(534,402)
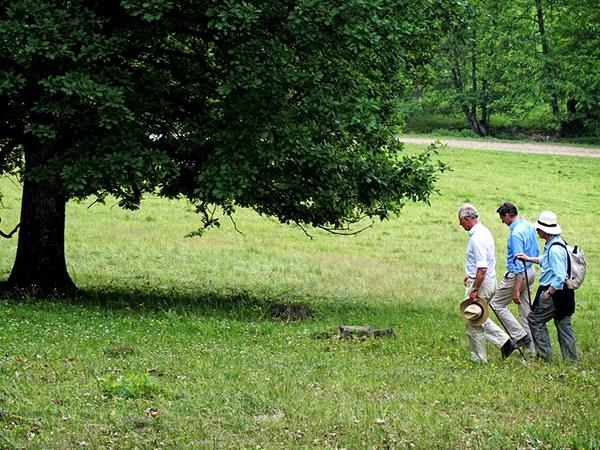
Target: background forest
(525,68)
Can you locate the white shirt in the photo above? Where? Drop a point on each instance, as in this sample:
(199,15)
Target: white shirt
(481,252)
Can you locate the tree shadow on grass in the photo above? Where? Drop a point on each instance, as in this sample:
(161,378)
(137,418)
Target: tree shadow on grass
(233,304)
(248,305)
(241,305)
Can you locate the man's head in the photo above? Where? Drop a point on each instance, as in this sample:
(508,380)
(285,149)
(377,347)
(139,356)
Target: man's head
(467,216)
(508,213)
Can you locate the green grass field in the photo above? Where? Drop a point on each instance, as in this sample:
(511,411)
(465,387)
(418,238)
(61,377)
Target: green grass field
(171,344)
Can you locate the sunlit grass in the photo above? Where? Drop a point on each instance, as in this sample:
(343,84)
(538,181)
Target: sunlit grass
(172,345)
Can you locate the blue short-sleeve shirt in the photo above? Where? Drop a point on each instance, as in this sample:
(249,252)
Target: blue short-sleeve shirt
(521,239)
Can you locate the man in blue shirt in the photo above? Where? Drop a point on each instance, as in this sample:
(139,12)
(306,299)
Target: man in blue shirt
(513,287)
(553,299)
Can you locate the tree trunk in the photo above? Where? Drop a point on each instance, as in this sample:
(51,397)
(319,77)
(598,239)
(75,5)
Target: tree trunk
(572,125)
(40,261)
(473,122)
(546,53)
(469,108)
(485,114)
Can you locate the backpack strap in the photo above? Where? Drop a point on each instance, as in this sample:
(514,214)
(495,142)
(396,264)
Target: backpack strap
(560,244)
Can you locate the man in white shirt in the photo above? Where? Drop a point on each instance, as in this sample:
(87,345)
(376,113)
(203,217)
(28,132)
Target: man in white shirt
(480,284)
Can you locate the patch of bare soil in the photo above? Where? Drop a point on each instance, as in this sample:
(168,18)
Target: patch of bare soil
(291,312)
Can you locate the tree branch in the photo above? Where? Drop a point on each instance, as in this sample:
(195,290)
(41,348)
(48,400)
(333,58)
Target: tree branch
(234,224)
(346,232)
(9,235)
(304,230)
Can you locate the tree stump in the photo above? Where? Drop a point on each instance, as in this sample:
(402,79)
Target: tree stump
(349,331)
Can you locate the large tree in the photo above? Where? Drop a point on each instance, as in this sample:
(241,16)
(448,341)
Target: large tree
(287,107)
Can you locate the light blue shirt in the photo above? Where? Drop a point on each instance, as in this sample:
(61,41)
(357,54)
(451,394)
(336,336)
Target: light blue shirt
(521,239)
(553,264)
(481,252)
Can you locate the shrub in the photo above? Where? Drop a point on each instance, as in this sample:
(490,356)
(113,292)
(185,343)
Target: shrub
(129,386)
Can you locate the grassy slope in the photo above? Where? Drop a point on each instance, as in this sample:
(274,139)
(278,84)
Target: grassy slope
(172,346)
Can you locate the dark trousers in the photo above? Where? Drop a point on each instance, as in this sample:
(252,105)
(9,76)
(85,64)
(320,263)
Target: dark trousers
(540,315)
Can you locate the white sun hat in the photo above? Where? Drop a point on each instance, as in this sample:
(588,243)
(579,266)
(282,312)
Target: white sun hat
(547,222)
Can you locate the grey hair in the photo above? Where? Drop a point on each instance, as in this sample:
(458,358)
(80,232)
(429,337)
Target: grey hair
(467,211)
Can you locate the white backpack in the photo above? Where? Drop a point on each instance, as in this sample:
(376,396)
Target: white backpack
(576,265)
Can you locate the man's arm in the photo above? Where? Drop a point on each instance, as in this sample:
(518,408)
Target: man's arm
(557,258)
(477,282)
(524,257)
(517,290)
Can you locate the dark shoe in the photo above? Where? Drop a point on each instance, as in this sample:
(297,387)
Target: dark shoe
(525,340)
(508,347)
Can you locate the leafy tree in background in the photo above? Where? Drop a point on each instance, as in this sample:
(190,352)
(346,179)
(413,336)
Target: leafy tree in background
(287,107)
(551,50)
(512,57)
(464,66)
(577,50)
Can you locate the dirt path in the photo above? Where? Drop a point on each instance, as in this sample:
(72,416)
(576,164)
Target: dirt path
(556,149)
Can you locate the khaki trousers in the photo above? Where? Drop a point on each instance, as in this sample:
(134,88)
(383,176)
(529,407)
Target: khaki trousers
(476,335)
(504,297)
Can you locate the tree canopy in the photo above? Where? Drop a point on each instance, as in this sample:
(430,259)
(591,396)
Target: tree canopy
(287,107)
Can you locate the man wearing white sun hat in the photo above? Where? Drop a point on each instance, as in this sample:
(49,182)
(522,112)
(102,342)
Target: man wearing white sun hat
(553,299)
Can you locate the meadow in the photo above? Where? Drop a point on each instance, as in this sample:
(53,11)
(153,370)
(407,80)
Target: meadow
(171,343)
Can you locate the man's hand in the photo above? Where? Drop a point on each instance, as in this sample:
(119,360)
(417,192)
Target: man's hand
(517,296)
(473,295)
(524,257)
(465,280)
